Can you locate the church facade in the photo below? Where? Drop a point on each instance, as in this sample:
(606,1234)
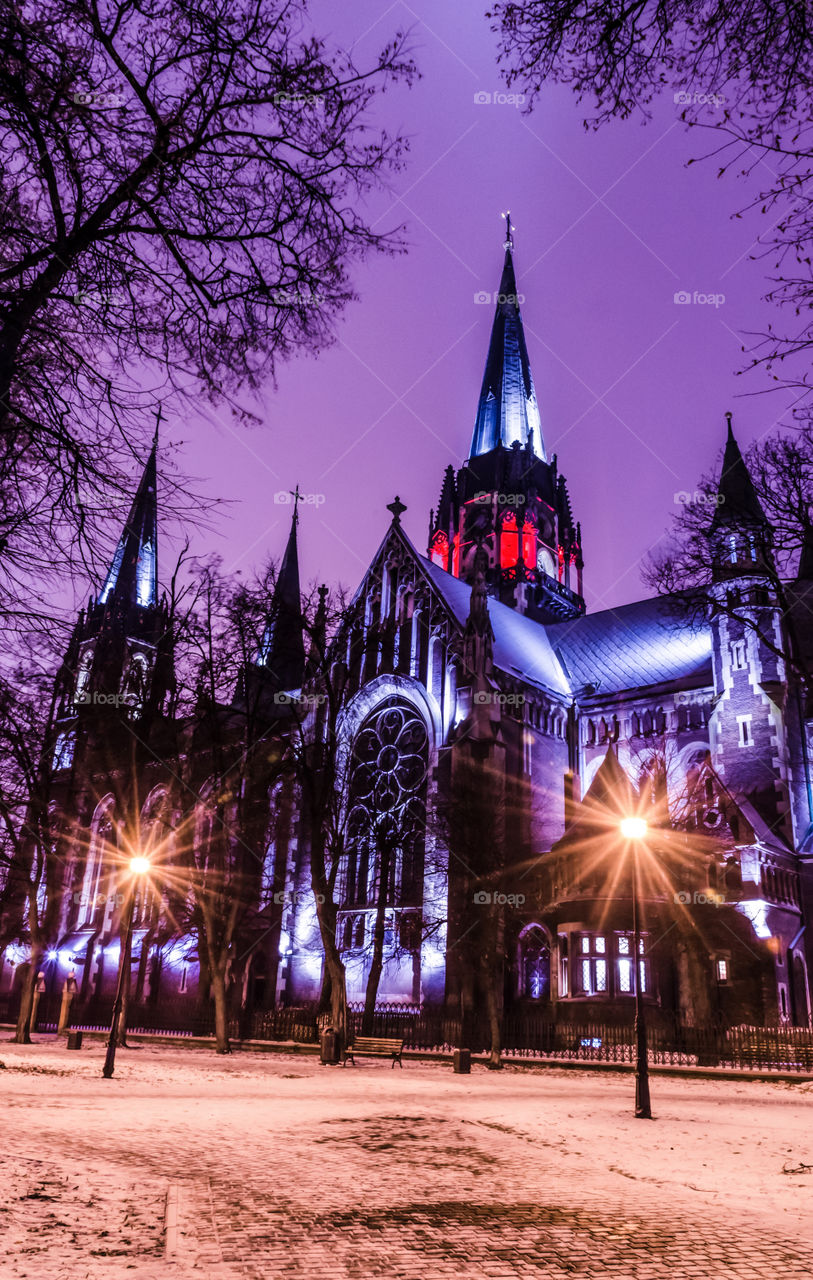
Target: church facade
(496,734)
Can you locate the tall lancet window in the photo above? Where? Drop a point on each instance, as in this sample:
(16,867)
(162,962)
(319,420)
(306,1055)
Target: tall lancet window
(386,821)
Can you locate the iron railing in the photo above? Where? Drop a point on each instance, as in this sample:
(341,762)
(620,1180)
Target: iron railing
(545,1034)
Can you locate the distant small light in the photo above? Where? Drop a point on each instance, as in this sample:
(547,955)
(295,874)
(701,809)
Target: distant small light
(633,828)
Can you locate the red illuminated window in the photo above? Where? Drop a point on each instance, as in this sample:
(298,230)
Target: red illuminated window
(509,542)
(529,544)
(440,550)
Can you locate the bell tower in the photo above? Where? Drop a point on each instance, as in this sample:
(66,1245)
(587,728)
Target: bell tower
(508,498)
(748,734)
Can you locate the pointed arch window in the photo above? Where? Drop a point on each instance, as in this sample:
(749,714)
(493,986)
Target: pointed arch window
(94,894)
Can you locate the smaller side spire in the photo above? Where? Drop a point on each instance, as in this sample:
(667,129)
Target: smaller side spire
(282,651)
(132,578)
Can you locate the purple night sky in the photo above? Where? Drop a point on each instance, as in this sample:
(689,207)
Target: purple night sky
(632,388)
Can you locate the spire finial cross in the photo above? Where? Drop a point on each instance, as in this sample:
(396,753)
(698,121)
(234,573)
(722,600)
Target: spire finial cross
(297,497)
(509,230)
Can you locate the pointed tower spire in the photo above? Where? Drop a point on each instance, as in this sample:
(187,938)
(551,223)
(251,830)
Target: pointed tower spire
(737,501)
(132,578)
(282,652)
(507,409)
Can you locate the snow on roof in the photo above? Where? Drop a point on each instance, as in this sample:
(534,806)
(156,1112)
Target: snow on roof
(631,647)
(521,646)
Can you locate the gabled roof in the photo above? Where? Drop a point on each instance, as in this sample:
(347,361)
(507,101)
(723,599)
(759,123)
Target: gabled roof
(635,646)
(521,646)
(632,647)
(507,410)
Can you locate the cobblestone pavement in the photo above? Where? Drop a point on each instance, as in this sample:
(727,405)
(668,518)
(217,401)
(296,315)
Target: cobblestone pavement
(282,1169)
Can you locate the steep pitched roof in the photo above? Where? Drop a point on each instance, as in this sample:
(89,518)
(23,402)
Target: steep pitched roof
(630,647)
(737,500)
(507,410)
(521,646)
(132,578)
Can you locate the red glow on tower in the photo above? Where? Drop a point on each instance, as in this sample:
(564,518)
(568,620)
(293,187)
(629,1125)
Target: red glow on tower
(509,542)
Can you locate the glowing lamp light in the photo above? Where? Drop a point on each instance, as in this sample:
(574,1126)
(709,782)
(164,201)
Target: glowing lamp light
(53,955)
(139,865)
(633,828)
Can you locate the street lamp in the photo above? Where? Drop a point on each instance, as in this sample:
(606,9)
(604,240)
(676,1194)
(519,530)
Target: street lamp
(634,830)
(139,866)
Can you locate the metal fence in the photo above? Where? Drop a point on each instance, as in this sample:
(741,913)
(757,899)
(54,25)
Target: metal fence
(526,1034)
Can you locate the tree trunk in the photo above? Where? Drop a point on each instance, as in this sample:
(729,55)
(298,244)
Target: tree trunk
(23,1032)
(126,960)
(377,962)
(334,966)
(221,1010)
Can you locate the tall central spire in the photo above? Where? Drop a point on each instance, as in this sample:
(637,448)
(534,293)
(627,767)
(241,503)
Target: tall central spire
(507,411)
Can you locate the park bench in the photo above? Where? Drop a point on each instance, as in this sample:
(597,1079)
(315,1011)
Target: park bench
(374,1047)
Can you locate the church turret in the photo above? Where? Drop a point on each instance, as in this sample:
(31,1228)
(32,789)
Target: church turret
(748,737)
(120,655)
(740,533)
(508,498)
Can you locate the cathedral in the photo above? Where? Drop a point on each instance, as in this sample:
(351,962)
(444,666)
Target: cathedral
(496,735)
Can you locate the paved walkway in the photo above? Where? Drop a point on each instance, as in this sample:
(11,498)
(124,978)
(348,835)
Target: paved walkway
(283,1169)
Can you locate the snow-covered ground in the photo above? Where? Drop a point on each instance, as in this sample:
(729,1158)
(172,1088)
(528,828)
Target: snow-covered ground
(269,1165)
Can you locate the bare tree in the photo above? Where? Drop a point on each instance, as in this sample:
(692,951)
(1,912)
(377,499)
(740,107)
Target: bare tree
(31,870)
(180,203)
(740,69)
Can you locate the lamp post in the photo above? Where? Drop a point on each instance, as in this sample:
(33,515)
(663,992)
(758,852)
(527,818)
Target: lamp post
(634,830)
(139,866)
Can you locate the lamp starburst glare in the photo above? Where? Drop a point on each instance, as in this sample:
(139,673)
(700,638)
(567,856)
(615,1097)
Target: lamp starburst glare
(633,828)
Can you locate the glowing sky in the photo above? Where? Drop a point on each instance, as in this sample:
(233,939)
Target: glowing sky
(632,385)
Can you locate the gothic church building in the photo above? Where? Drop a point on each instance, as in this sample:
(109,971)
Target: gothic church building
(504,732)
